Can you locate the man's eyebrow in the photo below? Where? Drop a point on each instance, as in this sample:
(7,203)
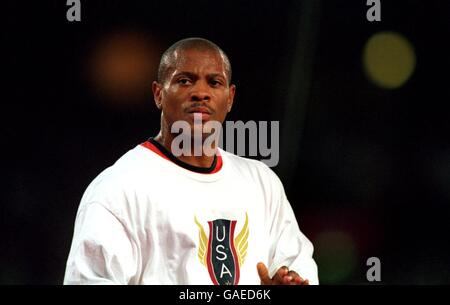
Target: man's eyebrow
(193,75)
(185,73)
(216,75)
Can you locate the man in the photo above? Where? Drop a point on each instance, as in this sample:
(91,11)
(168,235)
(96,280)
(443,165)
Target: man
(164,214)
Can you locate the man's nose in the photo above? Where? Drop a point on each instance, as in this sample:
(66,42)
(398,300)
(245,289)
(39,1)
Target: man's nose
(200,92)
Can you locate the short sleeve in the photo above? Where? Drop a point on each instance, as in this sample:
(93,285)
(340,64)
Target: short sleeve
(102,250)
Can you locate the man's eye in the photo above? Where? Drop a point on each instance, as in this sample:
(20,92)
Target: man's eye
(184,81)
(216,83)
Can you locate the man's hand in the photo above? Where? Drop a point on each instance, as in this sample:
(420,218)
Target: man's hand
(282,277)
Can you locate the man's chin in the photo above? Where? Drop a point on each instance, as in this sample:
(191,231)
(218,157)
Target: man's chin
(198,132)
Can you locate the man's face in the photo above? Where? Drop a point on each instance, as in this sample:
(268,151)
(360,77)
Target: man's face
(196,83)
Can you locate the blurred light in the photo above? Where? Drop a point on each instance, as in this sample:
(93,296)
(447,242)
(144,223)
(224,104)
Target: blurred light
(123,66)
(336,256)
(389,60)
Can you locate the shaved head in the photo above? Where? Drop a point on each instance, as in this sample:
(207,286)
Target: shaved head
(168,59)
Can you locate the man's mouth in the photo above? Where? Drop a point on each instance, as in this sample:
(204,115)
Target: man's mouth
(202,110)
(202,113)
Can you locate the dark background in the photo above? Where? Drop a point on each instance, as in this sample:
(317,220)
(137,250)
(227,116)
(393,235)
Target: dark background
(366,169)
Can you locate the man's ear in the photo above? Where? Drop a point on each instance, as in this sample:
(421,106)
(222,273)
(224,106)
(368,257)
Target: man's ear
(157,94)
(231,97)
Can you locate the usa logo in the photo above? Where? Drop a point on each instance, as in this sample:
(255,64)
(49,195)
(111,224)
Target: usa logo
(220,252)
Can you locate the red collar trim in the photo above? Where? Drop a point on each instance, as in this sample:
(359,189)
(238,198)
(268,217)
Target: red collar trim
(150,146)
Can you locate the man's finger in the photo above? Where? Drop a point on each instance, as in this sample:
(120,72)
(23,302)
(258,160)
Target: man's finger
(301,281)
(287,280)
(296,279)
(280,277)
(263,274)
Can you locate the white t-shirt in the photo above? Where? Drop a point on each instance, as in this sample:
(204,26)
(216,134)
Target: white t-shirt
(146,220)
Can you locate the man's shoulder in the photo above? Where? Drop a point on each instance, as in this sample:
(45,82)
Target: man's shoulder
(124,166)
(136,161)
(125,170)
(251,165)
(115,183)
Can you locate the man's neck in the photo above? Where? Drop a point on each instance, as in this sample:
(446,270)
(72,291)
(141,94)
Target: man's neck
(199,161)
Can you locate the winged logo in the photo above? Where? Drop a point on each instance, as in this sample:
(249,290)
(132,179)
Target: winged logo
(221,252)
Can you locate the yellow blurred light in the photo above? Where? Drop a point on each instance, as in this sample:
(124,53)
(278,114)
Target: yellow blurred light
(389,60)
(123,66)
